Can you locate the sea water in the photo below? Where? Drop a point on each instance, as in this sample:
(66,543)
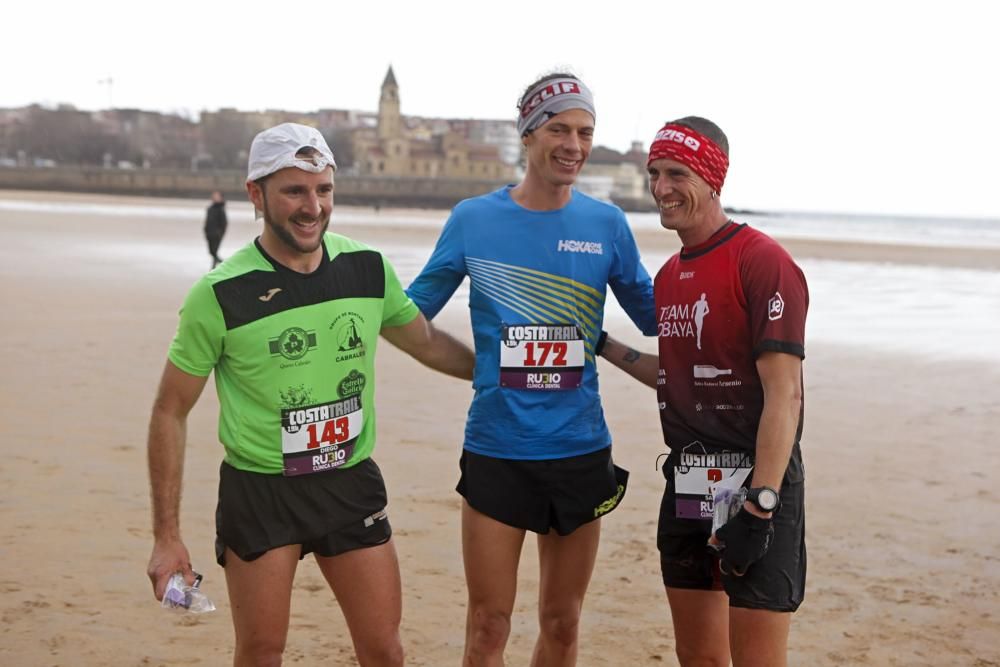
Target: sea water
(933,311)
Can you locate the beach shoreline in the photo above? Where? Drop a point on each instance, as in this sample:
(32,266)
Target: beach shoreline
(655,243)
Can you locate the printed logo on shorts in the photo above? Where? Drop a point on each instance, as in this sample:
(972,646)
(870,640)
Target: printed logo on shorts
(293,343)
(610,503)
(775,307)
(378,516)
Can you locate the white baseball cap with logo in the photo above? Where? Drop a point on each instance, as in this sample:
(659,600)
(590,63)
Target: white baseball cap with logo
(275,149)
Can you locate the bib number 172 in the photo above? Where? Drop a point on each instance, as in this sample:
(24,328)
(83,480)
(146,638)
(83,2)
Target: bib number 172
(545,354)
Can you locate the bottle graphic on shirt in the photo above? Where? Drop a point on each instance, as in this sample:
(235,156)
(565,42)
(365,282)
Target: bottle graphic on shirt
(709,372)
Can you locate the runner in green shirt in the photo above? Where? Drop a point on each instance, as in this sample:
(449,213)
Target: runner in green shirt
(290,325)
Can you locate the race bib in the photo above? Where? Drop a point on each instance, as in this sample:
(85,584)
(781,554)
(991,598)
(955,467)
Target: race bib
(698,473)
(541,356)
(320,437)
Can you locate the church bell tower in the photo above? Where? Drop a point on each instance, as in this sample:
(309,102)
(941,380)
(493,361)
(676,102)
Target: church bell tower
(390,124)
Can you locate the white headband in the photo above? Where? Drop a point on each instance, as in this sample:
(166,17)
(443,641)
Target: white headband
(550,98)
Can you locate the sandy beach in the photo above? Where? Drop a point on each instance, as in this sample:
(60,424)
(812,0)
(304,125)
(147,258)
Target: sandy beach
(902,476)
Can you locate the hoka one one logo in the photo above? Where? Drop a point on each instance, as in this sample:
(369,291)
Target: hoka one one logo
(581,246)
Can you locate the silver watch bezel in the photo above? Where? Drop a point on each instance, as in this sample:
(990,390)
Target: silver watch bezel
(765,492)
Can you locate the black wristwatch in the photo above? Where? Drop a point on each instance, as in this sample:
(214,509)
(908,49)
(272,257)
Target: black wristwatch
(599,345)
(765,498)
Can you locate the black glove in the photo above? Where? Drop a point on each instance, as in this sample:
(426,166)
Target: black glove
(745,539)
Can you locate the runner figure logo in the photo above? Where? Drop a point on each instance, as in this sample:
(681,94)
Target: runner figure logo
(700,311)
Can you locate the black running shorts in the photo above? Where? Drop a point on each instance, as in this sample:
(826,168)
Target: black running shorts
(328,512)
(776,582)
(562,494)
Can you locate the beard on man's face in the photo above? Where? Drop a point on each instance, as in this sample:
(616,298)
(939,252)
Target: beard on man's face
(283,232)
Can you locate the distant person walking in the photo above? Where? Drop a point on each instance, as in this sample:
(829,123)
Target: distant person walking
(215,226)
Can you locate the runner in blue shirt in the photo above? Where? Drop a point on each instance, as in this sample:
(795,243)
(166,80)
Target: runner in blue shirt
(537,453)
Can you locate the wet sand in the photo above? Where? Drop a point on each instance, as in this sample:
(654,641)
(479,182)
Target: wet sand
(902,502)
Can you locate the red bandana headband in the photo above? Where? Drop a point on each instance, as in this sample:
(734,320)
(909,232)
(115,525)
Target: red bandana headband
(692,149)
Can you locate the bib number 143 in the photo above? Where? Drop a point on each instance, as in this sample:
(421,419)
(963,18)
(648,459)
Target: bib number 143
(333,432)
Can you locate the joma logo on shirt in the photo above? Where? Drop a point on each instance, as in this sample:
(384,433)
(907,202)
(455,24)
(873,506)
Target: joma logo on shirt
(581,246)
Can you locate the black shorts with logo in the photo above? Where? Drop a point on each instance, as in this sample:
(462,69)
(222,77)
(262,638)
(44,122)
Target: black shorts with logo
(328,512)
(776,582)
(562,494)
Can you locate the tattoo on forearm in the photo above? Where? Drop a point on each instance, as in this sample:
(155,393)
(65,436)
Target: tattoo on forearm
(631,356)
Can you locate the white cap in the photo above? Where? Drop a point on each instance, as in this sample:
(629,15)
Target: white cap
(274,149)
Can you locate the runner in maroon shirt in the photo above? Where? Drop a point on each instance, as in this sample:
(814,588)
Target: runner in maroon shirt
(731,307)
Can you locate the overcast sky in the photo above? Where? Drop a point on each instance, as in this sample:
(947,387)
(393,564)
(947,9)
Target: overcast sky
(882,107)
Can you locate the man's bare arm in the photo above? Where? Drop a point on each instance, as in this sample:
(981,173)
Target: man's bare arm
(643,367)
(432,347)
(177,394)
(781,379)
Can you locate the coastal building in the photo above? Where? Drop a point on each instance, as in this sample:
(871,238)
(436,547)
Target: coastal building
(619,177)
(383,156)
(412,147)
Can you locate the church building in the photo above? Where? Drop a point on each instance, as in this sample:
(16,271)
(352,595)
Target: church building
(411,147)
